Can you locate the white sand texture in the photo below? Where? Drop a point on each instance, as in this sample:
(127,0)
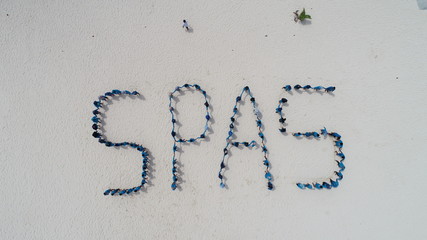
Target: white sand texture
(57,57)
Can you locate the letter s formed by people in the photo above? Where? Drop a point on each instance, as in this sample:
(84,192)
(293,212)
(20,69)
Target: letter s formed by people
(332,182)
(97,120)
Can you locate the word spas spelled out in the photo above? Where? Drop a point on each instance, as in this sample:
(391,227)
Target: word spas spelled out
(230,142)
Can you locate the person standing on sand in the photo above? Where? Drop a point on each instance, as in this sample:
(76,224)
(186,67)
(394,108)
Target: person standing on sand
(185,25)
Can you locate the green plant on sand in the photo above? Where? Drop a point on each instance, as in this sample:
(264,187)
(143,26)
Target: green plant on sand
(302,16)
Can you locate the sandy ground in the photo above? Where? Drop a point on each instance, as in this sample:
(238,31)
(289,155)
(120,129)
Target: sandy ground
(58,56)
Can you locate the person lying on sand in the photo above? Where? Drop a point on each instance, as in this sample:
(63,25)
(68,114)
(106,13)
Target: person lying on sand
(185,25)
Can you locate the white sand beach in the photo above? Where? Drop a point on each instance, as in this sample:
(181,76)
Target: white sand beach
(57,57)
